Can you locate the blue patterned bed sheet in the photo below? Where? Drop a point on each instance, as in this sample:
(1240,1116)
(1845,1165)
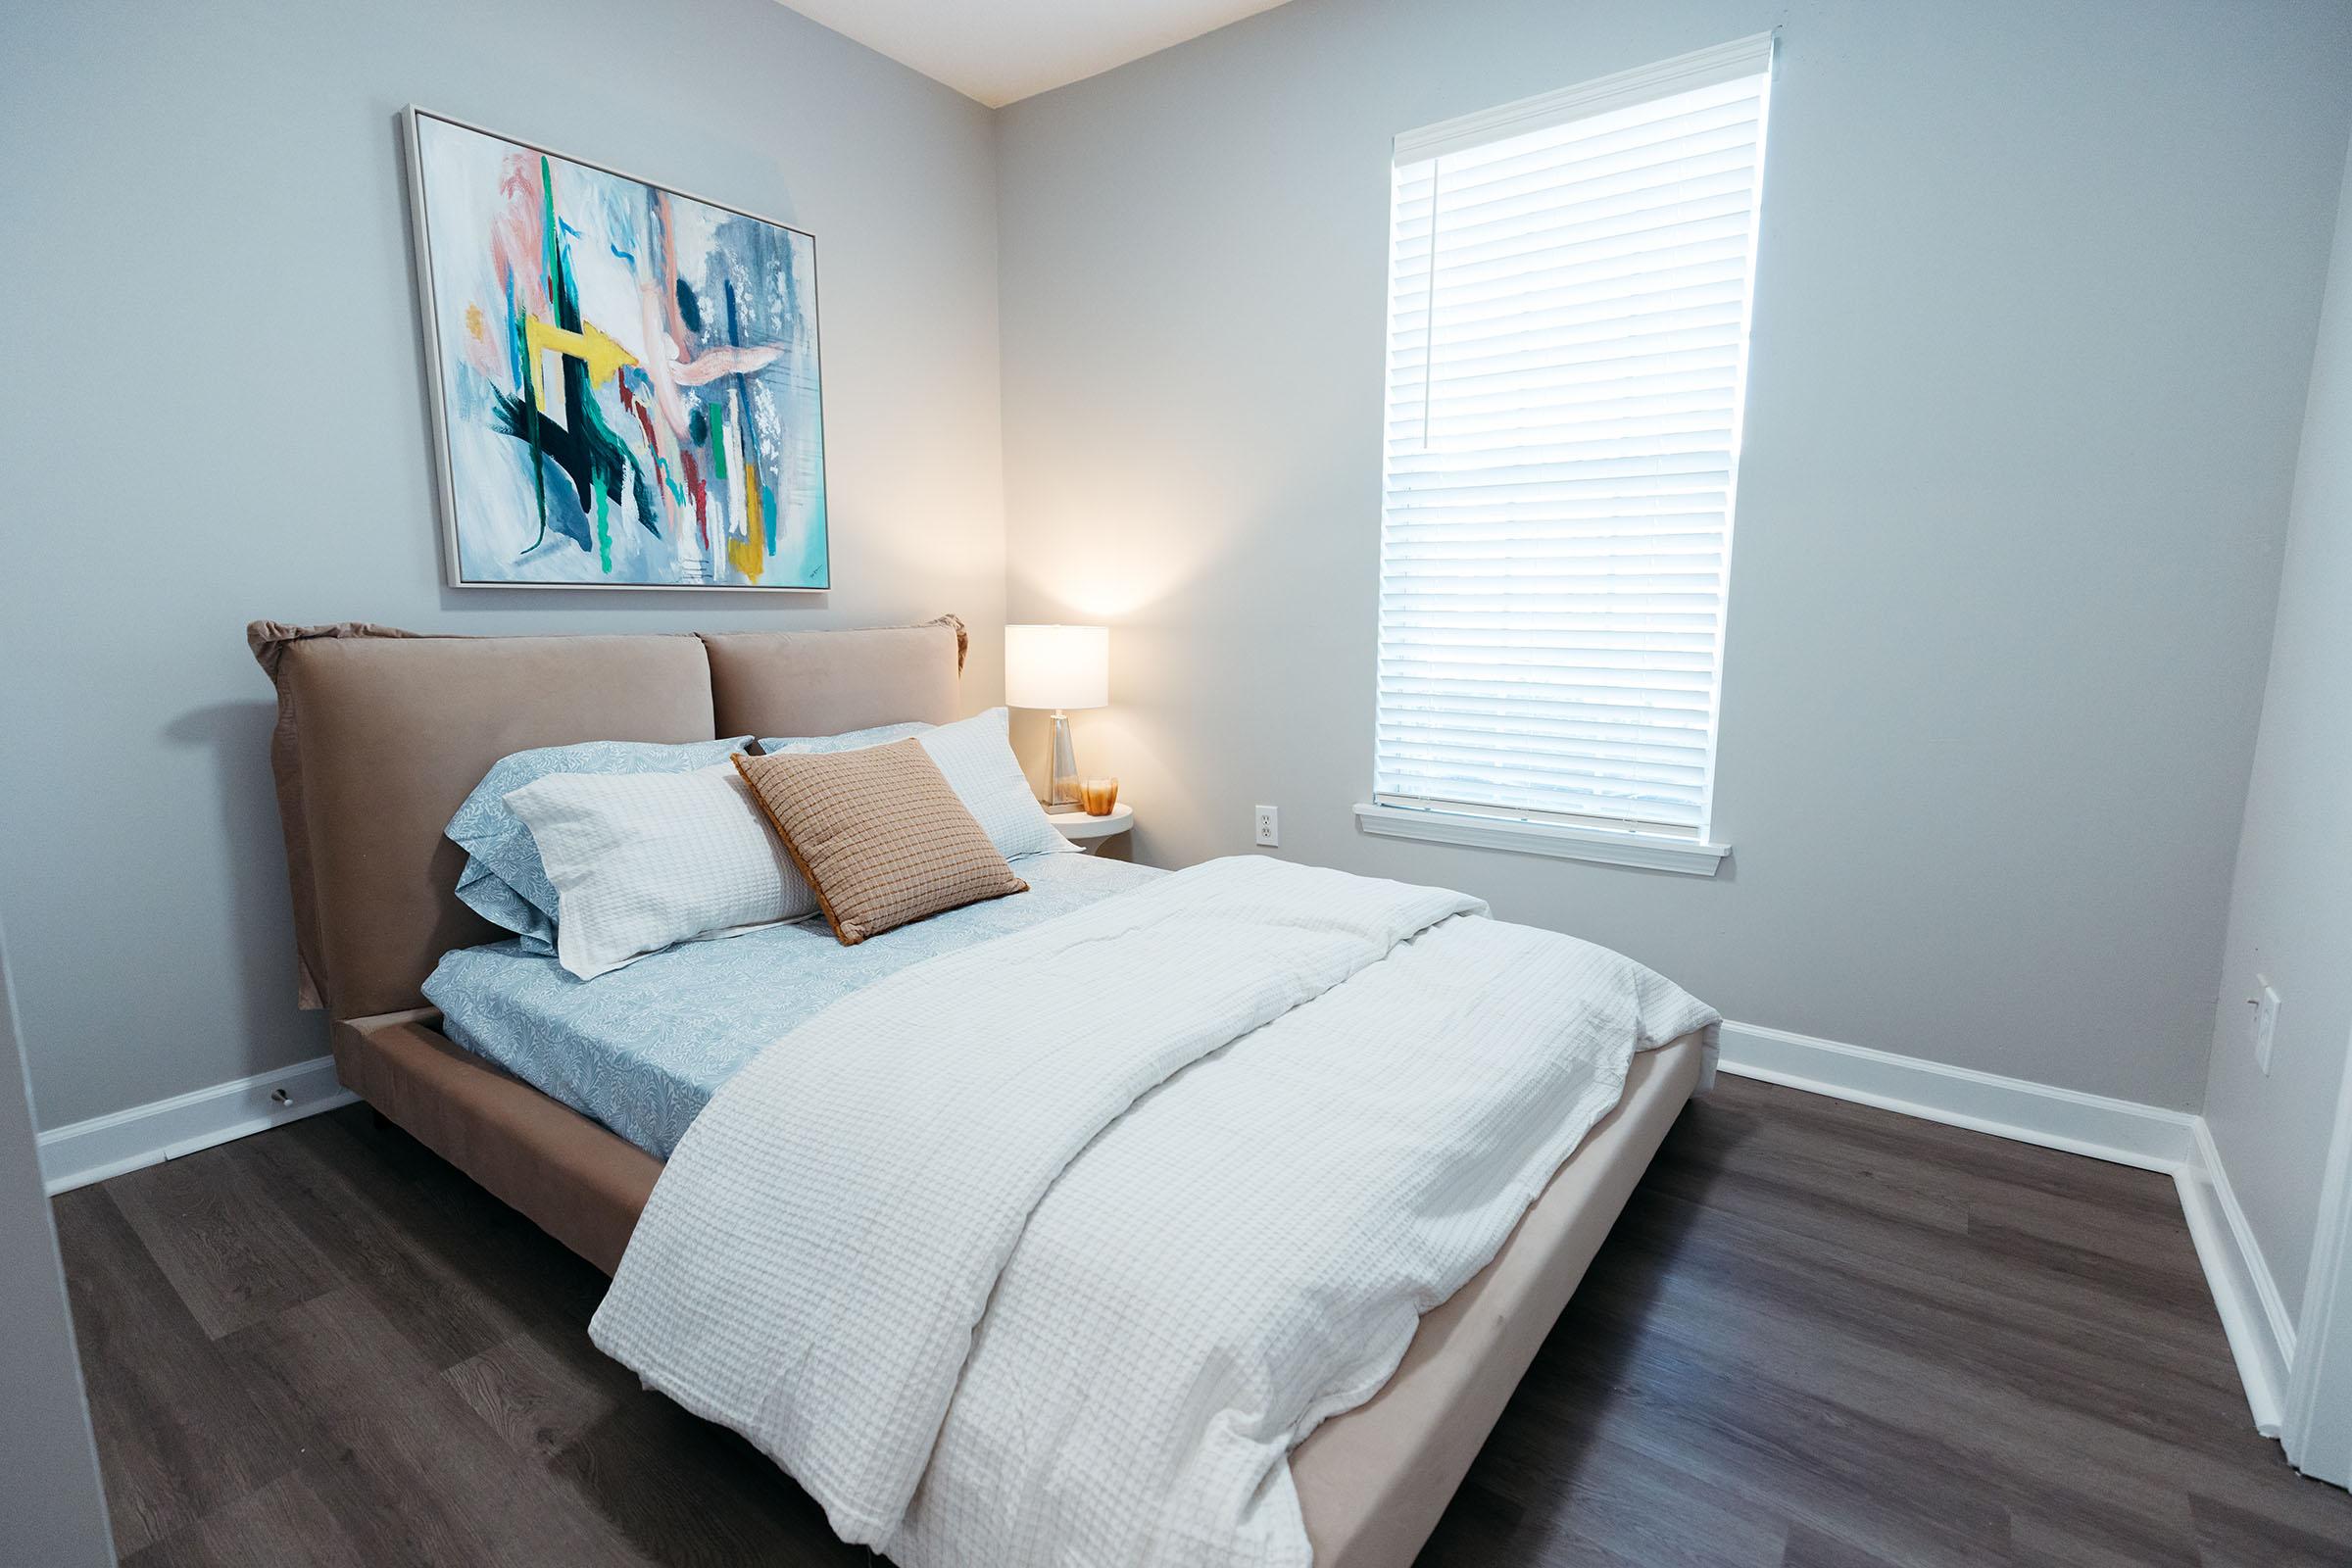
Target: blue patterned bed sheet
(643,1049)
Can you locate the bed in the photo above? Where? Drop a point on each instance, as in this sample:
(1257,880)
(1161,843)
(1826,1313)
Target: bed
(382,734)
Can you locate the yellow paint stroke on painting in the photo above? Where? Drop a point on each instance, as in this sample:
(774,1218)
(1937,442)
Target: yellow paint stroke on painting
(592,345)
(476,328)
(748,555)
(743,555)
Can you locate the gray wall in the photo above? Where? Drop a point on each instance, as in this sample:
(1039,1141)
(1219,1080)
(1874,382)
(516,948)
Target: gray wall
(215,412)
(52,1509)
(2290,908)
(2033,319)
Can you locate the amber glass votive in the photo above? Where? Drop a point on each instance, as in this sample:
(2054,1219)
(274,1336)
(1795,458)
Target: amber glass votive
(1099,796)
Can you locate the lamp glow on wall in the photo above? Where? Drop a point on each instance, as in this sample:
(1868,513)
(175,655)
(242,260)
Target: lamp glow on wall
(1059,667)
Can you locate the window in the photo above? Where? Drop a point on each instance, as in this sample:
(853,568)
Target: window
(1568,316)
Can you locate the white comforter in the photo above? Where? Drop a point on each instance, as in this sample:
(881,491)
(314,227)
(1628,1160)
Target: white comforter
(869,1256)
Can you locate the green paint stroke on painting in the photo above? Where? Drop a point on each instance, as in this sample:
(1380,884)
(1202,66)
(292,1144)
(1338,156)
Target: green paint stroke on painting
(606,484)
(530,411)
(554,265)
(547,232)
(718,470)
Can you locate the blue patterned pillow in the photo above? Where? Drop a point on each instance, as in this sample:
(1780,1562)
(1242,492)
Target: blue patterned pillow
(502,881)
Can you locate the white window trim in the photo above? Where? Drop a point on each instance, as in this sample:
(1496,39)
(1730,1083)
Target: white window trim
(1654,851)
(1702,67)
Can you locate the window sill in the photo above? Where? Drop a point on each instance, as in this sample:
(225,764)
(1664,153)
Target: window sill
(1653,852)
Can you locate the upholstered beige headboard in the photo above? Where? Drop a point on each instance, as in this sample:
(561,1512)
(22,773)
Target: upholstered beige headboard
(382,734)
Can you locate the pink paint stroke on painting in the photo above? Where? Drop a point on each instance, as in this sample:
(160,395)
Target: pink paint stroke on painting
(668,370)
(711,364)
(661,353)
(519,238)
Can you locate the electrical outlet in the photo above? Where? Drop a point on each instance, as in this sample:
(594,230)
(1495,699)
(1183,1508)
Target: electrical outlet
(1267,825)
(2266,1023)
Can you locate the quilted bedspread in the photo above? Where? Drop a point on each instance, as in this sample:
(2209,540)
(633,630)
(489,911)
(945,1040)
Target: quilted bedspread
(1050,1249)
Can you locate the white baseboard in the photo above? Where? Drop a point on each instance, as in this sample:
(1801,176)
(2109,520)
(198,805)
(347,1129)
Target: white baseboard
(2262,1335)
(2262,1338)
(85,1151)
(2119,1130)
(2253,1314)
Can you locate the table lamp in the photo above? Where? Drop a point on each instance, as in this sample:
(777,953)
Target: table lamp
(1058,667)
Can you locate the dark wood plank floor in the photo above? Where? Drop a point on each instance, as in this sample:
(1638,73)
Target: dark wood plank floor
(1821,1336)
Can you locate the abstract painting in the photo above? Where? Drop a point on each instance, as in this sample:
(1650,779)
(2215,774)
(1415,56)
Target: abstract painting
(624,378)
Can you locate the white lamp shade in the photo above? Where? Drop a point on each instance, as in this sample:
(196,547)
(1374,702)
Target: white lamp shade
(1057,667)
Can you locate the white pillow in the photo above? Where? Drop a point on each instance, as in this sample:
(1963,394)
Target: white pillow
(641,860)
(976,756)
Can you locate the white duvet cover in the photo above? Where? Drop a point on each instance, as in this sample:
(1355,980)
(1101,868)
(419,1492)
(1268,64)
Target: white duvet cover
(1048,1250)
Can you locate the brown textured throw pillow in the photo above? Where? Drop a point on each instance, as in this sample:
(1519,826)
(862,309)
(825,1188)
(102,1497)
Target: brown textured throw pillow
(879,834)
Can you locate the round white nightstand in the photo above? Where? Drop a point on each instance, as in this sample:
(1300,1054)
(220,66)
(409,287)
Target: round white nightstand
(1093,832)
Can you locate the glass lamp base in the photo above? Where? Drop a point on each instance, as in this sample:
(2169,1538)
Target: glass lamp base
(1063,792)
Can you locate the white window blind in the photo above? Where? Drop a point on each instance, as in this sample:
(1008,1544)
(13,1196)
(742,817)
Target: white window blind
(1568,310)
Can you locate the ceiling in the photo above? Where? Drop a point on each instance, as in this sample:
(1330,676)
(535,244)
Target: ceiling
(1001,50)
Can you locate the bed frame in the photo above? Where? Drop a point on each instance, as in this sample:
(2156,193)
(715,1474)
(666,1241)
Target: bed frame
(382,734)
